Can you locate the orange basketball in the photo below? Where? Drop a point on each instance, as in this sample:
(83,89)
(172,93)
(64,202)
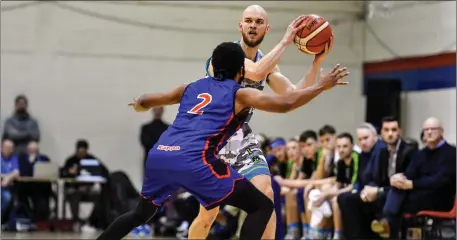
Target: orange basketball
(314,36)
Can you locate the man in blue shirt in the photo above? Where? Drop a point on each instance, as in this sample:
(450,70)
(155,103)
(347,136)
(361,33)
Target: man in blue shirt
(10,171)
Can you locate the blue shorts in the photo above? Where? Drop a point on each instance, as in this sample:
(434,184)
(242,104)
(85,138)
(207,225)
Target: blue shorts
(167,172)
(259,167)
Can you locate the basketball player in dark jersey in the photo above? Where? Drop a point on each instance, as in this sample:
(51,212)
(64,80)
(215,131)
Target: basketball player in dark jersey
(243,152)
(211,110)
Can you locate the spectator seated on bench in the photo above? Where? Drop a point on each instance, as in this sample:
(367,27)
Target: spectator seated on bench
(83,165)
(10,171)
(428,183)
(39,193)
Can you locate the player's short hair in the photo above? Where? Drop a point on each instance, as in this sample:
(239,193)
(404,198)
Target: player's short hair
(227,60)
(389,119)
(327,129)
(82,143)
(346,135)
(307,135)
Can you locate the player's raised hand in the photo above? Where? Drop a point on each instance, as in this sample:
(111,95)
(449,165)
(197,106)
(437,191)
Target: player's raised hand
(295,26)
(137,106)
(328,47)
(333,78)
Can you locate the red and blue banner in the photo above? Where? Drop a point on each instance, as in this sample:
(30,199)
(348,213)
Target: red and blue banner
(415,73)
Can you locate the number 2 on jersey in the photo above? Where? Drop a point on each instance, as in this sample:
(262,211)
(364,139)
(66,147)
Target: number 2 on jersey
(207,98)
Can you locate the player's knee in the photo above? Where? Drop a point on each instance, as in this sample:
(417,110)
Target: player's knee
(268,191)
(326,187)
(263,183)
(262,204)
(306,191)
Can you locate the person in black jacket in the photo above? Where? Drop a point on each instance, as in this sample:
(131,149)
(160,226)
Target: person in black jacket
(77,192)
(21,127)
(151,132)
(393,159)
(390,157)
(356,215)
(428,183)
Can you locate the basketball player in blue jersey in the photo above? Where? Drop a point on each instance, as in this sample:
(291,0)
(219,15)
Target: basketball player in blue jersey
(243,152)
(211,110)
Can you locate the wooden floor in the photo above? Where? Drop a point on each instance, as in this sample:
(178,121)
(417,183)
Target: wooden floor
(52,236)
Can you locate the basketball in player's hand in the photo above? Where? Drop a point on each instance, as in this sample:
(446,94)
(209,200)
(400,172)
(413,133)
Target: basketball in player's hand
(314,36)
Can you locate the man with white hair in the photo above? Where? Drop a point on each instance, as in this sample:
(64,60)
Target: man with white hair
(353,209)
(430,178)
(34,195)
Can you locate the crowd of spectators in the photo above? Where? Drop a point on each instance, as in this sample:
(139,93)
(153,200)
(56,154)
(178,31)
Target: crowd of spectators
(339,186)
(332,185)
(27,204)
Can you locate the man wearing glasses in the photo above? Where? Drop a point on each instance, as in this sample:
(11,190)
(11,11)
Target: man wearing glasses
(430,177)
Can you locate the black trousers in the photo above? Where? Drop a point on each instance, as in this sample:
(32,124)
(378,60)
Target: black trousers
(34,199)
(76,194)
(357,215)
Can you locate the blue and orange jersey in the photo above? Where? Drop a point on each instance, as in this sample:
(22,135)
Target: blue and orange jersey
(206,119)
(246,82)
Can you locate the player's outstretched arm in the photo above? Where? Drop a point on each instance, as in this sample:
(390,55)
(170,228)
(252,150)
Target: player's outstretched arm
(149,100)
(249,97)
(280,84)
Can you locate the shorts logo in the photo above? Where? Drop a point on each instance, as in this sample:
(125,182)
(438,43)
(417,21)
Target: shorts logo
(168,148)
(255,158)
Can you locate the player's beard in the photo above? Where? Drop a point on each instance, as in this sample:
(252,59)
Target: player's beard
(249,43)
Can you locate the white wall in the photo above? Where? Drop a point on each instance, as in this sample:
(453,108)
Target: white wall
(415,29)
(79,71)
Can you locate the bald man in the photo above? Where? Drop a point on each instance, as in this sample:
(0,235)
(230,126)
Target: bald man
(430,178)
(243,152)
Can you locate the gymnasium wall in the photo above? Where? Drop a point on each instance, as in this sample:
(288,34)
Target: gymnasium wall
(416,43)
(80,63)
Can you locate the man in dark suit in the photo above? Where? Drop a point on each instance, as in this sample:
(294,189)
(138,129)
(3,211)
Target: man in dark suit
(391,156)
(151,132)
(393,159)
(355,213)
(427,184)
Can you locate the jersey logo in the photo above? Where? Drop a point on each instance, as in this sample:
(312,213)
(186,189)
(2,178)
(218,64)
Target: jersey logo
(206,99)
